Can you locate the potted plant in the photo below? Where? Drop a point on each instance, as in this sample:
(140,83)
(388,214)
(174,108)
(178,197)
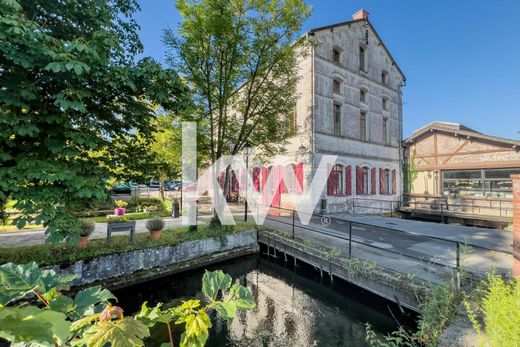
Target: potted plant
(155,225)
(87,228)
(121,207)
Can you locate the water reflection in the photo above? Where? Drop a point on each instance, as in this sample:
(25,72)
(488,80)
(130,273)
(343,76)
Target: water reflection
(293,307)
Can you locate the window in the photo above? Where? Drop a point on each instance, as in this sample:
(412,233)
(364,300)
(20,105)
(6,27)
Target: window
(336,86)
(362,59)
(387,180)
(362,96)
(384,104)
(364,180)
(335,181)
(363,126)
(494,183)
(337,119)
(384,76)
(385,131)
(290,185)
(336,55)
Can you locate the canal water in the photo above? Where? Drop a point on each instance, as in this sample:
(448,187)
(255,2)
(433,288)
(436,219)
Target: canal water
(295,306)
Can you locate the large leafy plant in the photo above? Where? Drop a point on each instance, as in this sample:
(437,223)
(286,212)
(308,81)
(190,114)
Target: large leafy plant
(90,317)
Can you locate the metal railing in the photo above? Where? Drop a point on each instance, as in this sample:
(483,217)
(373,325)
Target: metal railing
(356,233)
(486,207)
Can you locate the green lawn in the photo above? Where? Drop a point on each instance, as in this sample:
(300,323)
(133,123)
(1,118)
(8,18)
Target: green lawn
(49,254)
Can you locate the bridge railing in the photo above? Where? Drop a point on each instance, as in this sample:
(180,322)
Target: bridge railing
(469,205)
(366,241)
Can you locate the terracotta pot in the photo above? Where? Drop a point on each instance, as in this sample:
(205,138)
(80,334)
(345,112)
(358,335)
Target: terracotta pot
(83,242)
(120,211)
(155,235)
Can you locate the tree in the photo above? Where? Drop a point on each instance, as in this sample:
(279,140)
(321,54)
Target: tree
(166,148)
(70,85)
(239,58)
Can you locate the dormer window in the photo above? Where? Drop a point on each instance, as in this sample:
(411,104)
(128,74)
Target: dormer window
(336,86)
(336,55)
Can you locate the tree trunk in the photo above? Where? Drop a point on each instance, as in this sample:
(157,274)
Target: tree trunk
(3,213)
(161,185)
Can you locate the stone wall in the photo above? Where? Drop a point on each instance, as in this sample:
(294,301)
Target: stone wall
(154,262)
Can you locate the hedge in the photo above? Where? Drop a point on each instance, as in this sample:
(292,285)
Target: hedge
(49,254)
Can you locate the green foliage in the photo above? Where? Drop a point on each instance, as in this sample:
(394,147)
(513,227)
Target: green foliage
(437,311)
(240,59)
(90,318)
(87,228)
(121,203)
(398,338)
(71,87)
(50,254)
(20,280)
(155,224)
(497,306)
(409,173)
(116,333)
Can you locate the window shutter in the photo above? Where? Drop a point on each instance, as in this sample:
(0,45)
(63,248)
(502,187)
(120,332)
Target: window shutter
(373,179)
(299,178)
(330,183)
(348,180)
(359,180)
(394,181)
(382,181)
(256,179)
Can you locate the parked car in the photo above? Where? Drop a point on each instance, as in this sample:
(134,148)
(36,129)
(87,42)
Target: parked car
(168,185)
(122,188)
(153,184)
(175,185)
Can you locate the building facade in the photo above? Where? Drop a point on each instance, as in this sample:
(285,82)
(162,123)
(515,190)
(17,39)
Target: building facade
(454,160)
(350,105)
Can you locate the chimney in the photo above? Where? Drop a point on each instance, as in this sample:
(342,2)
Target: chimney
(361,14)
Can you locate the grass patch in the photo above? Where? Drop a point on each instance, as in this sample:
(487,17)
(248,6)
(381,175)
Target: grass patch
(49,254)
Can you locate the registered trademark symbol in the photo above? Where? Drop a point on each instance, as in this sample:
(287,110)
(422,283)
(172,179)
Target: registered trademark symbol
(325,220)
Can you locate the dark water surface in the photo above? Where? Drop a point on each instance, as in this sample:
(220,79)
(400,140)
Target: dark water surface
(295,307)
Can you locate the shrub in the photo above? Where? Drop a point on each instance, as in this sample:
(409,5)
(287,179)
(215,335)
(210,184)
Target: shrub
(87,228)
(155,224)
(117,219)
(139,204)
(64,254)
(497,309)
(121,203)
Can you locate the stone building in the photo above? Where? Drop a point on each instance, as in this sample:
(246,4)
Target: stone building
(350,105)
(467,169)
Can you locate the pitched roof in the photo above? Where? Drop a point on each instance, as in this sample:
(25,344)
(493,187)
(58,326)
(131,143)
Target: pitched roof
(348,22)
(461,130)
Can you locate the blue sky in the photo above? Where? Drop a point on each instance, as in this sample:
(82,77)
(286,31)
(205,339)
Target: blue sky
(461,58)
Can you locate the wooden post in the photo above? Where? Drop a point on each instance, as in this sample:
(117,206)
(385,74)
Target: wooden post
(516,225)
